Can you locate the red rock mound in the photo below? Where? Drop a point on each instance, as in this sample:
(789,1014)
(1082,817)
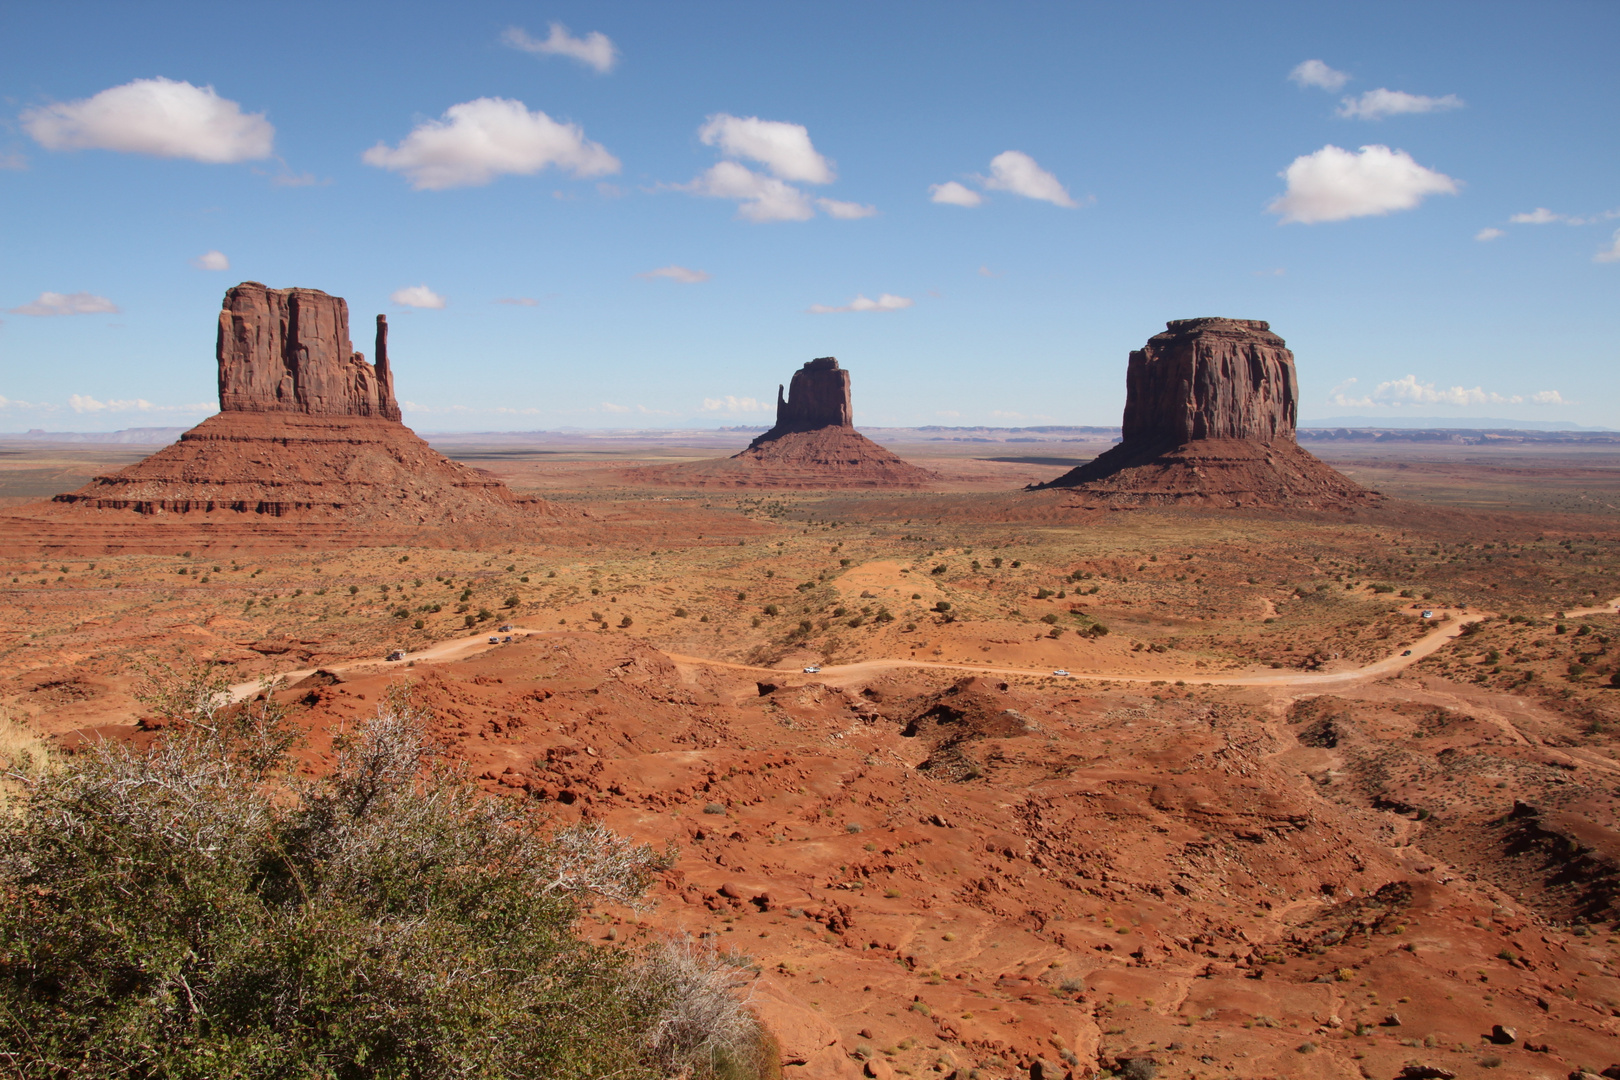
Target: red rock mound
(813,445)
(308,433)
(1210,409)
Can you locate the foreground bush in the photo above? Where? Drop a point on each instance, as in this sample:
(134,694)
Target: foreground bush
(196,910)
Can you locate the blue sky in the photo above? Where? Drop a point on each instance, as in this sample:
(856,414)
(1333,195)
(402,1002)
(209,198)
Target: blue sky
(801,174)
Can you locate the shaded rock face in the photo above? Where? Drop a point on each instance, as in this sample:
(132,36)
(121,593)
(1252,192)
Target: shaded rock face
(288,350)
(1211,379)
(817,397)
(1210,409)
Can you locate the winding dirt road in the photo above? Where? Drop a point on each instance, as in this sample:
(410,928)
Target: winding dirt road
(845,674)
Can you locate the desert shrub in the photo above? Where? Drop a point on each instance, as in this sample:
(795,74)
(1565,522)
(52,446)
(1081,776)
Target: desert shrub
(200,909)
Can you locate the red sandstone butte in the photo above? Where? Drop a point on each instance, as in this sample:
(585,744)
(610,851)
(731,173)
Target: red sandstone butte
(813,445)
(1210,408)
(308,433)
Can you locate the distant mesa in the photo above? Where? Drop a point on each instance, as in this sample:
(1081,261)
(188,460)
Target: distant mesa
(308,432)
(1210,409)
(813,445)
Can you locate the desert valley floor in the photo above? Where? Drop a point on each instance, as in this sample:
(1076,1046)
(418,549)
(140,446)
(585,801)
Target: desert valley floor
(1318,793)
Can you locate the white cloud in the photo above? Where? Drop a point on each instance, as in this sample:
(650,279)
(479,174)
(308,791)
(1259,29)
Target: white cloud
(83,403)
(1017,172)
(1408,391)
(595,49)
(884,302)
(1489,234)
(846,211)
(417,296)
(211,260)
(1377,104)
(1610,253)
(763,198)
(518,301)
(478,140)
(79,303)
(1316,73)
(1334,184)
(733,404)
(682,274)
(953,194)
(783,148)
(13,162)
(13,403)
(1006,414)
(608,406)
(1539,216)
(985,271)
(160,117)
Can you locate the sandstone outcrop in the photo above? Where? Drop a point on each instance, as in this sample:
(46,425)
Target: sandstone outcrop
(308,432)
(814,445)
(288,350)
(1210,411)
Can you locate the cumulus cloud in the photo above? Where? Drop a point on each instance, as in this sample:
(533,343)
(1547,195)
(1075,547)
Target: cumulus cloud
(478,140)
(79,303)
(594,50)
(784,149)
(762,198)
(83,403)
(684,275)
(1489,234)
(417,296)
(884,302)
(952,193)
(733,404)
(1316,73)
(1539,216)
(161,117)
(1017,172)
(518,301)
(211,260)
(1334,184)
(1610,253)
(1377,104)
(845,211)
(1409,391)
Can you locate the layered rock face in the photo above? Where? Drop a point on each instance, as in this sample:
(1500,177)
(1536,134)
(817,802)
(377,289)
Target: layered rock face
(813,445)
(287,350)
(307,430)
(1210,409)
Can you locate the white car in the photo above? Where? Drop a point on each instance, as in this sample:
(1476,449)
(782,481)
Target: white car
(812,670)
(1061,673)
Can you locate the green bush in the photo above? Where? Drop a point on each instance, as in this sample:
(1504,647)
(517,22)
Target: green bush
(199,909)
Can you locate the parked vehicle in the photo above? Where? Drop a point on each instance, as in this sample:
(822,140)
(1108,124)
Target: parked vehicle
(397,654)
(812,670)
(494,639)
(1060,673)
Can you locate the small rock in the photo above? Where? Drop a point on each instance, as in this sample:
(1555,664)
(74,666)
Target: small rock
(1502,1036)
(878,1069)
(1427,1072)
(865,1033)
(1392,1020)
(1043,1069)
(1611,1073)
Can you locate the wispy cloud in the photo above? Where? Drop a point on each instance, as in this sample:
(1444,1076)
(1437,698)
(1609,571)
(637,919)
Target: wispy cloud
(1539,216)
(952,193)
(846,211)
(1610,253)
(682,274)
(1316,73)
(884,302)
(13,162)
(594,50)
(79,303)
(518,301)
(1485,235)
(1377,104)
(160,117)
(1334,184)
(733,404)
(417,296)
(477,141)
(83,403)
(1409,391)
(610,407)
(211,260)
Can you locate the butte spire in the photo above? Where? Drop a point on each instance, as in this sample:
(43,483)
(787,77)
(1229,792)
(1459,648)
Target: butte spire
(1210,408)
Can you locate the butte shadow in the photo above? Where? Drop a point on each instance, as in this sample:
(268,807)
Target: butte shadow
(1210,409)
(308,443)
(814,445)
